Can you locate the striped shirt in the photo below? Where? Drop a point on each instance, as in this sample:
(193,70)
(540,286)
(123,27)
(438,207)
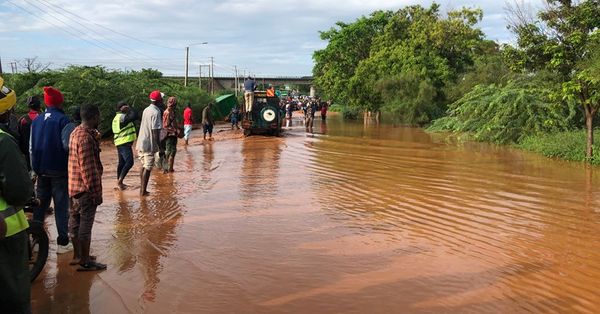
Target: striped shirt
(85,167)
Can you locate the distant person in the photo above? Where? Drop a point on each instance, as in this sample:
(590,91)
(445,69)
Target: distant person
(148,143)
(49,160)
(249,88)
(207,121)
(234,116)
(85,187)
(309,115)
(15,191)
(188,122)
(171,126)
(271,91)
(324,108)
(124,135)
(68,129)
(35,107)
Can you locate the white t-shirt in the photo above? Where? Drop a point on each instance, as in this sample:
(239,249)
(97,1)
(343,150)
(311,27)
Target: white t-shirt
(151,120)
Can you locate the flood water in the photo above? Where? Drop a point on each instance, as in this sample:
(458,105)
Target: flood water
(351,219)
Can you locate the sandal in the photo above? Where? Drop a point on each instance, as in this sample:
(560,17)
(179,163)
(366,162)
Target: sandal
(91,266)
(74,262)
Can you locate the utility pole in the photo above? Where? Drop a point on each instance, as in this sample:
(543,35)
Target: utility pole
(236,82)
(13,67)
(212,75)
(187,58)
(0,65)
(200,76)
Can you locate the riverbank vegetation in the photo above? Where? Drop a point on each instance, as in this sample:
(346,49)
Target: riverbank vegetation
(105,88)
(426,68)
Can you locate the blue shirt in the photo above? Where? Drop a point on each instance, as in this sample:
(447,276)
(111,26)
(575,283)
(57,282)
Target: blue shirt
(249,85)
(48,156)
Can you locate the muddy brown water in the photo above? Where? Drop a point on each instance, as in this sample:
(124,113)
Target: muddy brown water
(352,218)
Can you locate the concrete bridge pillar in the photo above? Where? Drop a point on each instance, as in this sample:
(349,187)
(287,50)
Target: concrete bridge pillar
(313,91)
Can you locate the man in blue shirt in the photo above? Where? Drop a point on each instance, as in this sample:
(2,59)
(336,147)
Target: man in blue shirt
(49,160)
(249,88)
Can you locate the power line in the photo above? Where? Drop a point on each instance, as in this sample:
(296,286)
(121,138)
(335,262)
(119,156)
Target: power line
(112,30)
(65,30)
(52,7)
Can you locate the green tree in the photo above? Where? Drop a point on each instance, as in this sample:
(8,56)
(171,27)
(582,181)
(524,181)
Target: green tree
(563,40)
(348,44)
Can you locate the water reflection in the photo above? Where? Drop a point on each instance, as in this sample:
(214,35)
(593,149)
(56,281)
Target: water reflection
(260,168)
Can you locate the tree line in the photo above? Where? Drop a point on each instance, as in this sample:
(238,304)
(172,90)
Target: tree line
(425,68)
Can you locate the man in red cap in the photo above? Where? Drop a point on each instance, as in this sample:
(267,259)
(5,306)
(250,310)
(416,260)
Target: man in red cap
(49,161)
(148,142)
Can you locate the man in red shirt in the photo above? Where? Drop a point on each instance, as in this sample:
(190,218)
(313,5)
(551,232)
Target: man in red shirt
(187,123)
(85,187)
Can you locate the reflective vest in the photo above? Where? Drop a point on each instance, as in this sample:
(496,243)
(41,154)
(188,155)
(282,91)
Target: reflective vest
(124,135)
(15,219)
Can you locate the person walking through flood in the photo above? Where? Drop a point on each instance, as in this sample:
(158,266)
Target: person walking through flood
(148,143)
(207,121)
(124,135)
(171,127)
(15,191)
(188,122)
(85,187)
(309,115)
(35,107)
(324,108)
(234,116)
(49,160)
(249,88)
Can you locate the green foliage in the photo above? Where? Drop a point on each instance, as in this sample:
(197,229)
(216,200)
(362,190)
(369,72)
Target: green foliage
(569,145)
(507,113)
(410,98)
(105,88)
(364,59)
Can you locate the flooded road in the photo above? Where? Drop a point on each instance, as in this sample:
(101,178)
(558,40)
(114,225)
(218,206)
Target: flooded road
(352,218)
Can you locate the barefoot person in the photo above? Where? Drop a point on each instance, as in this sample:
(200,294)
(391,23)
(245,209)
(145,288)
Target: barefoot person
(207,121)
(148,143)
(171,125)
(124,136)
(85,186)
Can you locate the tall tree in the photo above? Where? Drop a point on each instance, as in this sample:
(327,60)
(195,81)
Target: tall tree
(563,40)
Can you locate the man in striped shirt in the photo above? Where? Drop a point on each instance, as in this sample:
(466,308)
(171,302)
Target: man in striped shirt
(85,186)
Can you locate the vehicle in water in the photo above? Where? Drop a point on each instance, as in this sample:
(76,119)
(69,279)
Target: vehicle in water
(266,116)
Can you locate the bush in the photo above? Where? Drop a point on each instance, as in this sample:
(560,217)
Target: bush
(105,88)
(507,113)
(568,145)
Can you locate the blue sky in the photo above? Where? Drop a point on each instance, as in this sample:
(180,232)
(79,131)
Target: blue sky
(263,37)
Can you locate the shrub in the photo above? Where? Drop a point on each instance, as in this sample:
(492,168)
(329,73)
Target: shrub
(568,145)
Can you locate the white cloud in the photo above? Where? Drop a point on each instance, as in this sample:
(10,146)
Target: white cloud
(265,36)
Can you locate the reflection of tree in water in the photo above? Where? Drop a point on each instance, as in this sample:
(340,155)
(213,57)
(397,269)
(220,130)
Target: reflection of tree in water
(149,234)
(260,168)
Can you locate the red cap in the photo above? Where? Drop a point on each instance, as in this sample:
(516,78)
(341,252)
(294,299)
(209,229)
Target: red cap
(155,95)
(52,96)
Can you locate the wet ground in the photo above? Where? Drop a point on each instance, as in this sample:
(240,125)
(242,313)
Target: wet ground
(351,218)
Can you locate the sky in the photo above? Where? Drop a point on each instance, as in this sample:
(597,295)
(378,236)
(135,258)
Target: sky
(259,37)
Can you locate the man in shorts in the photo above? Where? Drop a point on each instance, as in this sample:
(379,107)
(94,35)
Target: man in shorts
(207,121)
(148,143)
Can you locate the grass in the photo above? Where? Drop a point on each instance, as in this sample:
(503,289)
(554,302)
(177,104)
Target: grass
(570,145)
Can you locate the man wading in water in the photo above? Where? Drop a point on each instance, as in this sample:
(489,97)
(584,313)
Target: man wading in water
(149,138)
(124,136)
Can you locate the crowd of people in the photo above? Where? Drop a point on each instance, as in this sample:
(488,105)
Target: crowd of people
(46,155)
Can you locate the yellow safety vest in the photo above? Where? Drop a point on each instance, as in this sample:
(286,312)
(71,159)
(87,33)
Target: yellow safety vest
(15,219)
(124,135)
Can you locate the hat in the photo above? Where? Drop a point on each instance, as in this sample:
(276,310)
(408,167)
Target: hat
(52,96)
(156,95)
(172,101)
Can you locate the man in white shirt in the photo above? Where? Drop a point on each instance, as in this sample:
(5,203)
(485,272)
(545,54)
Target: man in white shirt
(148,143)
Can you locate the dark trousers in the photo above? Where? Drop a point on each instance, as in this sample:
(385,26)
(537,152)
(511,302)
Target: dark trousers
(81,218)
(55,189)
(125,160)
(14,275)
